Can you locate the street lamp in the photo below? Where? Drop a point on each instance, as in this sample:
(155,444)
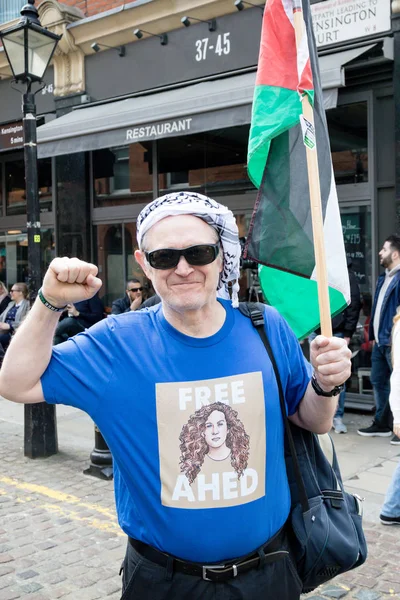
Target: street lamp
(29,47)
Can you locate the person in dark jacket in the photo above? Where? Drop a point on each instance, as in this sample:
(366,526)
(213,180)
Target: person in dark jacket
(344,325)
(152,301)
(386,301)
(78,317)
(5,298)
(132,299)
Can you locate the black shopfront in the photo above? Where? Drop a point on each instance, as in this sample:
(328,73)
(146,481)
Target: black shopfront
(171,117)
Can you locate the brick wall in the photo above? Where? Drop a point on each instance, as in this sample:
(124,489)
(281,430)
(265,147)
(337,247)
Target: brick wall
(94,7)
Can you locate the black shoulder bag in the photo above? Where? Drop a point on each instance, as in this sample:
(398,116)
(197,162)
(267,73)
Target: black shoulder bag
(325,521)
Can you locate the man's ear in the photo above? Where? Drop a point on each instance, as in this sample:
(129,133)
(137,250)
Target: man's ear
(141,260)
(221,259)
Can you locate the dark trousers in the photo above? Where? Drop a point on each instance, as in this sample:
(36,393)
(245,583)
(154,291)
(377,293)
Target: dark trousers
(145,580)
(5,339)
(66,329)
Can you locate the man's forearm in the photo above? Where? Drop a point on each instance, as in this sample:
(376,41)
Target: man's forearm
(315,412)
(28,355)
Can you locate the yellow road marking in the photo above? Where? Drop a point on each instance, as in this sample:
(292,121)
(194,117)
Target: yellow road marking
(57,495)
(96,523)
(103,525)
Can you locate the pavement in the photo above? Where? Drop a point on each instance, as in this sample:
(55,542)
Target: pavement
(59,536)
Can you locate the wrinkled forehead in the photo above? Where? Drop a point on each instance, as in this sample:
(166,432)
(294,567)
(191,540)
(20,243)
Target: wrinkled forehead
(179,232)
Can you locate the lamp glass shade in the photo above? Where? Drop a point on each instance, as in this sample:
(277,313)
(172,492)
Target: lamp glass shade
(29,50)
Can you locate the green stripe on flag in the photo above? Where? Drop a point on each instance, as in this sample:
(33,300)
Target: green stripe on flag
(278,286)
(275,110)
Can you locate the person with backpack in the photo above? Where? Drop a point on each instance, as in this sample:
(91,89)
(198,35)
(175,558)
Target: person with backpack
(202,493)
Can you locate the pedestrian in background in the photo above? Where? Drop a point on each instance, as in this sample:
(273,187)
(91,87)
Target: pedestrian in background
(77,317)
(344,325)
(131,301)
(5,298)
(12,316)
(386,301)
(390,514)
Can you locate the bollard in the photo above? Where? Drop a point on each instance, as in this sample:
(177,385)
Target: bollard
(40,430)
(101,463)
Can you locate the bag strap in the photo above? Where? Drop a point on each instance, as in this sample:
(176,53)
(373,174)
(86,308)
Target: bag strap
(256,314)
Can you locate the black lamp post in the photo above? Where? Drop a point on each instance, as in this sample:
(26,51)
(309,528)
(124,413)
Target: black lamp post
(29,48)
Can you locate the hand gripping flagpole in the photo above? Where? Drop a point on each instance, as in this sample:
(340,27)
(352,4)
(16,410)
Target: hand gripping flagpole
(315,189)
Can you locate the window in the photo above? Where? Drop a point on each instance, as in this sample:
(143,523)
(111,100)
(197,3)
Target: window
(122,175)
(14,254)
(10,9)
(15,186)
(1,189)
(177,179)
(213,163)
(356,225)
(348,133)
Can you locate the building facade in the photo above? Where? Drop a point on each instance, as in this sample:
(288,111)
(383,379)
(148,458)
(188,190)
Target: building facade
(141,115)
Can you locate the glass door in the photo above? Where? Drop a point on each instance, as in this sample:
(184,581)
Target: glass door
(356,224)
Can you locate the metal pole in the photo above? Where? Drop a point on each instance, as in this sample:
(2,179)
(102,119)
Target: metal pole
(40,419)
(101,464)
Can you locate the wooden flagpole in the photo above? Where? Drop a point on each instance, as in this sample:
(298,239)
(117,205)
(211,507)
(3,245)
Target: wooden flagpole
(315,195)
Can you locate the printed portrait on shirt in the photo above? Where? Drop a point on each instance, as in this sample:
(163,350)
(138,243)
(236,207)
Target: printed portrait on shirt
(215,432)
(212,441)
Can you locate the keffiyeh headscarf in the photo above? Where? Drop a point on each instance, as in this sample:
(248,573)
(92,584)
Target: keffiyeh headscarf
(219,217)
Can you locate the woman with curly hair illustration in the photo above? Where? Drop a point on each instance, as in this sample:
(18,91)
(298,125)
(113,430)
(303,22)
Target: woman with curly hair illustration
(216,431)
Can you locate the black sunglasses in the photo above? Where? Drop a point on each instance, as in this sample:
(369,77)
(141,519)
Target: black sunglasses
(197,256)
(139,289)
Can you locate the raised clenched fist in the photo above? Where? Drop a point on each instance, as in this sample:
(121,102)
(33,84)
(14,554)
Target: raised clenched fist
(70,280)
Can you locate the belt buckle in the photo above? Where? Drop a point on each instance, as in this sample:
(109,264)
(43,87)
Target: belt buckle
(216,567)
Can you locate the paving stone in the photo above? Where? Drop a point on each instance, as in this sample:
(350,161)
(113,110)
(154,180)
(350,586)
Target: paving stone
(367,595)
(27,574)
(334,592)
(9,595)
(29,588)
(46,545)
(53,578)
(389,587)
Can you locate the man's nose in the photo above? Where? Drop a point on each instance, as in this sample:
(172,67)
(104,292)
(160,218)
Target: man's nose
(183,268)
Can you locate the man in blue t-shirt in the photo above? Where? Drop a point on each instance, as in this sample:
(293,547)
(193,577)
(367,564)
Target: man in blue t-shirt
(190,411)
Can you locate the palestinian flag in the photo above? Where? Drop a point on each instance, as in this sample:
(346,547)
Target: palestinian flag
(280,235)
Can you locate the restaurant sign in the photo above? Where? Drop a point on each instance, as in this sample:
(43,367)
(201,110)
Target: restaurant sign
(337,21)
(154,131)
(11,136)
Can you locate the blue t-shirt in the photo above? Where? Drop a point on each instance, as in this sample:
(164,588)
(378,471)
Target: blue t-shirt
(193,424)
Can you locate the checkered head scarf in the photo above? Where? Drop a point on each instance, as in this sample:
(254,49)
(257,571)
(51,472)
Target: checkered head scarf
(219,217)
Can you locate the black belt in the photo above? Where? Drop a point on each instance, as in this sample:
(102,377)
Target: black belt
(273,551)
